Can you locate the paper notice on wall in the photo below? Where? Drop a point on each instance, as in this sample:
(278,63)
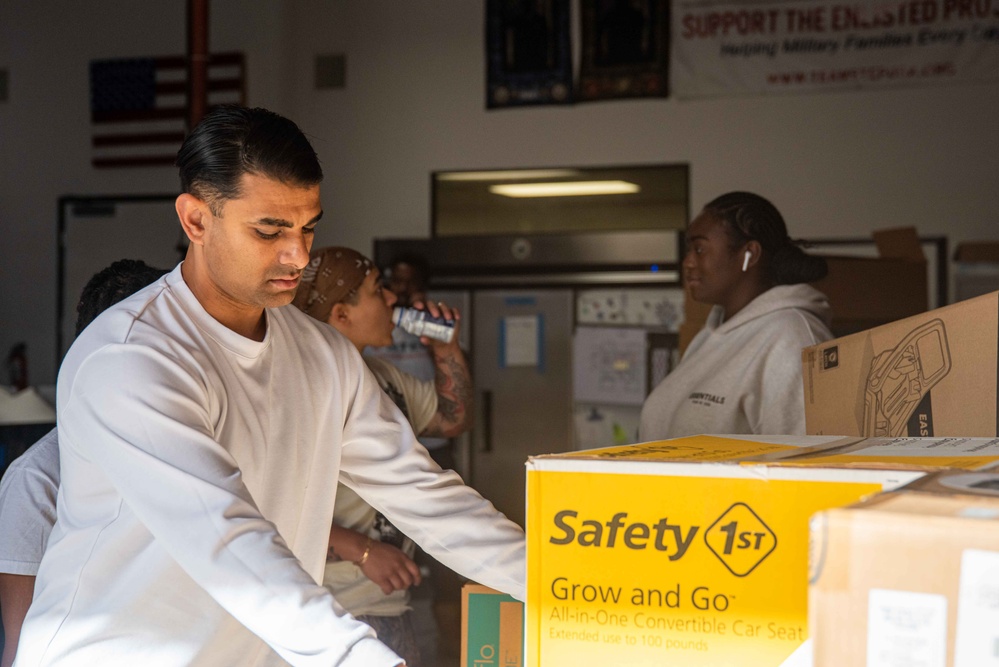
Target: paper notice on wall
(609,365)
(906,628)
(648,307)
(521,341)
(976,643)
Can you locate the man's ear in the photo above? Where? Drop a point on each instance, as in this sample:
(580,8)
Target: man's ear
(339,315)
(192,213)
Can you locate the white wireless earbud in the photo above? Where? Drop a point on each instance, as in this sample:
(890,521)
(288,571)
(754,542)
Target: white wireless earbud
(745,261)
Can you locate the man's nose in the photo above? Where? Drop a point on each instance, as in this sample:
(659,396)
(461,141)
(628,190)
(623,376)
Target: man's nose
(296,251)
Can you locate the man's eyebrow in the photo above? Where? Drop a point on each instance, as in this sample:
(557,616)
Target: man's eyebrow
(696,237)
(278,222)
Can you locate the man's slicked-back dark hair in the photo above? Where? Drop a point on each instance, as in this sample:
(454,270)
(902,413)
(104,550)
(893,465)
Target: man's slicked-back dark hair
(110,285)
(231,141)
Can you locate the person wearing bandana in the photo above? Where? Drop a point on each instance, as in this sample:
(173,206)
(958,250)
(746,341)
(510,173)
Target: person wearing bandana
(370,567)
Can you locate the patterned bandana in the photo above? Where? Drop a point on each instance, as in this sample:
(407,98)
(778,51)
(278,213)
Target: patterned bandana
(330,277)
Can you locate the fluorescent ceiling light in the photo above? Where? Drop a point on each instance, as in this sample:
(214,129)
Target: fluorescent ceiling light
(565,189)
(507,175)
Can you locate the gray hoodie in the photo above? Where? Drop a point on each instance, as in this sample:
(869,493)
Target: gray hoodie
(743,375)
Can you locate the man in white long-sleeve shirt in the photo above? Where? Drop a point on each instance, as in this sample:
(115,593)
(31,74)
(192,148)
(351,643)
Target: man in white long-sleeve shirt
(203,424)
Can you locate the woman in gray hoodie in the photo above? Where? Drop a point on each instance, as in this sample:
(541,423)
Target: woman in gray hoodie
(742,372)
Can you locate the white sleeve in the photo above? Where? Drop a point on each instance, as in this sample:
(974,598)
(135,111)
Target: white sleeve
(152,438)
(434,508)
(28,506)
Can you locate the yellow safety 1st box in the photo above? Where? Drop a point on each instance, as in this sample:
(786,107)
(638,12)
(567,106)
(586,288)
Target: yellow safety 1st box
(694,551)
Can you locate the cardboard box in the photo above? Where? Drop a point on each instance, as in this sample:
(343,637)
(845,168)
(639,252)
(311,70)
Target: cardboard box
(694,551)
(934,374)
(492,628)
(910,577)
(866,292)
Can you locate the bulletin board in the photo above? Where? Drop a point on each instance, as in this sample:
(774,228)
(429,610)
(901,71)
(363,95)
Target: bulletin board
(95,231)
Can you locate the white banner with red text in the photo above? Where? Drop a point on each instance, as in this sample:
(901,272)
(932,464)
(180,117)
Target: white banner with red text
(763,47)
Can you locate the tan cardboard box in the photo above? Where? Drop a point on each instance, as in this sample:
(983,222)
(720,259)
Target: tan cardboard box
(492,628)
(694,551)
(909,577)
(933,374)
(866,292)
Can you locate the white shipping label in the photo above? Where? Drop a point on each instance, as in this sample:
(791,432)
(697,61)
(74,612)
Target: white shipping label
(976,642)
(906,629)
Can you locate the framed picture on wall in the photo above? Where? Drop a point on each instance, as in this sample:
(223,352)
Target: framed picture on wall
(625,49)
(527,53)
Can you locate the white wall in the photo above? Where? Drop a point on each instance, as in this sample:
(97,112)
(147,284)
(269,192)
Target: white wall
(46,46)
(835,164)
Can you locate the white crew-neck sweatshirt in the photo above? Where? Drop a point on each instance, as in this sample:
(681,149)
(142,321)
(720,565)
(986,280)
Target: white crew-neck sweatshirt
(198,475)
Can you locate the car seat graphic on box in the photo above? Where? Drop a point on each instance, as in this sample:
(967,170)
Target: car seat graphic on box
(901,377)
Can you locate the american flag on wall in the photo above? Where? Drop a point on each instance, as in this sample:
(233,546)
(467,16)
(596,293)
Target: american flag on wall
(138,106)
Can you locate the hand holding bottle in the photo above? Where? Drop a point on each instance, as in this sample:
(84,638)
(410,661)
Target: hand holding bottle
(435,323)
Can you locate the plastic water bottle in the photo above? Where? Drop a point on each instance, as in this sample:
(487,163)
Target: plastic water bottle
(422,323)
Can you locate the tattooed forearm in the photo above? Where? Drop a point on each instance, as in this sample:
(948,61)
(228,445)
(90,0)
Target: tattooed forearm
(453,382)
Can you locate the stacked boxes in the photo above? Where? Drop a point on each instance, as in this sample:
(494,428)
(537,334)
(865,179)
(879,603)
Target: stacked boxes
(695,551)
(910,577)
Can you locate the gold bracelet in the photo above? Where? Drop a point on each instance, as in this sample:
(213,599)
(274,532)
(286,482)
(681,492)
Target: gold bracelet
(364,557)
